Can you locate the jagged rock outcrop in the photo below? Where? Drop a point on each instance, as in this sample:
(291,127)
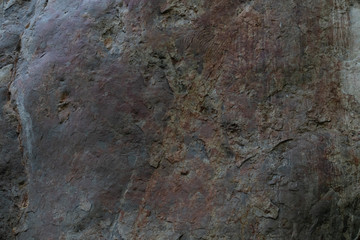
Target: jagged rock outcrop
(169,119)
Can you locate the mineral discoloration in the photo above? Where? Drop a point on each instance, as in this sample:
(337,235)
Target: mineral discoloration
(350,73)
(180,119)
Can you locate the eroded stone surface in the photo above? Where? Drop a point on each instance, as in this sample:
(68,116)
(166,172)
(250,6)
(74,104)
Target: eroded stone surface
(182,119)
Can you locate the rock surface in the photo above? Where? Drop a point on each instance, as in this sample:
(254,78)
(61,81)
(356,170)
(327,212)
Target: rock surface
(169,119)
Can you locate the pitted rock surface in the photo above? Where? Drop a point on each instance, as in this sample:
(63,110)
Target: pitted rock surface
(169,119)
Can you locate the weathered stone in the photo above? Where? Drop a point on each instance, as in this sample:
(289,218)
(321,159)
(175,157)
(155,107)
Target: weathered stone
(169,119)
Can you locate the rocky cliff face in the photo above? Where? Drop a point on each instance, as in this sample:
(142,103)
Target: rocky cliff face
(170,119)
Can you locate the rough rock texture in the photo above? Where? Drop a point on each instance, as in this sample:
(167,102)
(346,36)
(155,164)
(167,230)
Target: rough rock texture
(172,119)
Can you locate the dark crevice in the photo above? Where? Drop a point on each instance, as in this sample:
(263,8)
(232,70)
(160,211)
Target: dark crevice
(13,183)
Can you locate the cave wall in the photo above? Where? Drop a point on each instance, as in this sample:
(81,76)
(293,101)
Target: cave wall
(169,119)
